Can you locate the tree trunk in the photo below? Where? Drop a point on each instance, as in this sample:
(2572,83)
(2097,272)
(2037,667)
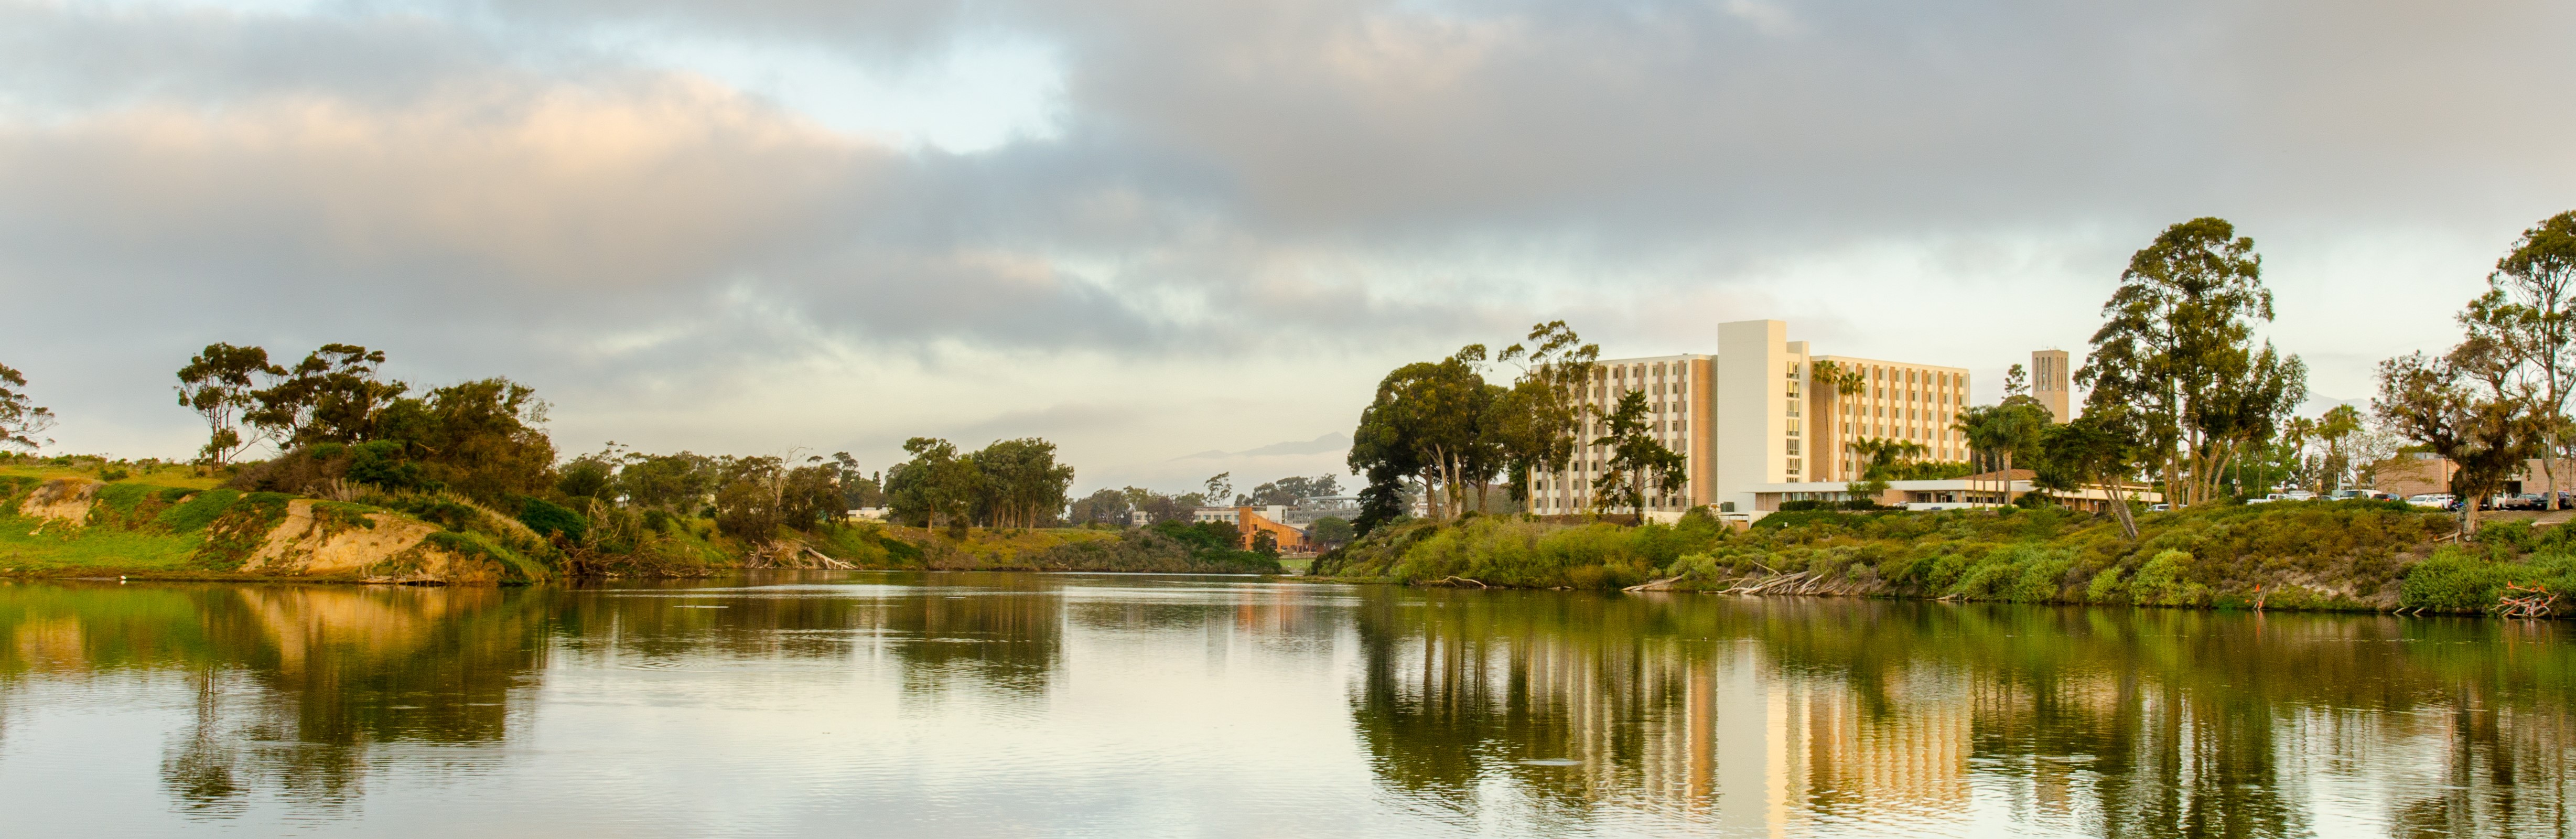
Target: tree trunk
(2118,495)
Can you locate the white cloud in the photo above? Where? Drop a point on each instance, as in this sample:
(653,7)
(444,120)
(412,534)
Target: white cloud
(1147,228)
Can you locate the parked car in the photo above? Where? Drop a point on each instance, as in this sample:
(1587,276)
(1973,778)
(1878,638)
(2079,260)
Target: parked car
(2530,501)
(2365,494)
(2159,508)
(2435,500)
(2294,495)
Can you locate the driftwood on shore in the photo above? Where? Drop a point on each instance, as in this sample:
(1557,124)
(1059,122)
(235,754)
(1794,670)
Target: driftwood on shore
(1795,583)
(789,553)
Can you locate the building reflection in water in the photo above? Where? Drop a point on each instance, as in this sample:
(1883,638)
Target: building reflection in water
(1795,716)
(1523,712)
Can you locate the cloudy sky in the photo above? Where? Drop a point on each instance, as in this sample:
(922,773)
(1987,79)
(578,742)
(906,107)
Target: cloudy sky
(1183,237)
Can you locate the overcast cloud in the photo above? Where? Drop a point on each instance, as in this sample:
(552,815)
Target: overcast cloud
(1155,230)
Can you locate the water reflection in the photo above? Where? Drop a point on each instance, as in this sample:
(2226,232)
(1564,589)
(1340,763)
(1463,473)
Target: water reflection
(1823,715)
(1036,703)
(286,684)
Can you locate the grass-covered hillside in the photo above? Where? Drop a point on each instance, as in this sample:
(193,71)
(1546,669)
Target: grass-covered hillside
(145,526)
(2310,555)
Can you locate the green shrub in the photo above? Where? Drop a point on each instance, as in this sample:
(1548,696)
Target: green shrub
(381,463)
(2515,536)
(2165,580)
(2452,580)
(195,513)
(471,547)
(548,518)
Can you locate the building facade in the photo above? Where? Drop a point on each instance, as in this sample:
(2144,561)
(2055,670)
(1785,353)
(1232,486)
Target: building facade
(1747,417)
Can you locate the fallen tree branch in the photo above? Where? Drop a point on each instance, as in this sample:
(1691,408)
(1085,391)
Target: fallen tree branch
(1658,585)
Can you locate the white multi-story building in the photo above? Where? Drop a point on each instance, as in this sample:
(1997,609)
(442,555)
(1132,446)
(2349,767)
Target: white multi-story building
(1750,416)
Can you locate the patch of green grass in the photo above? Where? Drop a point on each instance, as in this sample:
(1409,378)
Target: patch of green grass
(198,511)
(473,547)
(57,547)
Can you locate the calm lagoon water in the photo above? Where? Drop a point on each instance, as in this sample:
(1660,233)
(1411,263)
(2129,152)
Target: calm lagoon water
(839,704)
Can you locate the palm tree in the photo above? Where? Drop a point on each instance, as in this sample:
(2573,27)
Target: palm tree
(1840,383)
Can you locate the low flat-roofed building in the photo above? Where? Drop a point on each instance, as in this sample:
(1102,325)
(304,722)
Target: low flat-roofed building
(1986,490)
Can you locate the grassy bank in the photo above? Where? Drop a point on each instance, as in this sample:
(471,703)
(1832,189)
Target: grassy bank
(2351,555)
(154,527)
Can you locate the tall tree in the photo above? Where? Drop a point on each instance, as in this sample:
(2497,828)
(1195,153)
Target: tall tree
(482,438)
(1022,484)
(936,487)
(2336,428)
(2529,312)
(1997,435)
(747,497)
(2097,449)
(1538,422)
(1640,466)
(2177,342)
(1425,422)
(1292,490)
(332,396)
(678,483)
(21,419)
(2466,407)
(220,383)
(1106,506)
(1838,383)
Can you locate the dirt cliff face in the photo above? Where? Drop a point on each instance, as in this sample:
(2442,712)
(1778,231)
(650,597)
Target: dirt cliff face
(320,539)
(61,502)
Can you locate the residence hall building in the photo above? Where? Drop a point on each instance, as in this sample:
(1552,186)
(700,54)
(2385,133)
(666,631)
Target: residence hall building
(1748,417)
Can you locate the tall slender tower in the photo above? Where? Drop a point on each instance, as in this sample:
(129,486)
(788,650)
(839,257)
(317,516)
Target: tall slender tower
(2049,382)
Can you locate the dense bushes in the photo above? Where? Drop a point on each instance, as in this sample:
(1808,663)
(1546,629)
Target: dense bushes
(1168,547)
(2460,580)
(1510,552)
(2288,555)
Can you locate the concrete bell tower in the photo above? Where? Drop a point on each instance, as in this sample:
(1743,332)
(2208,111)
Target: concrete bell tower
(2052,383)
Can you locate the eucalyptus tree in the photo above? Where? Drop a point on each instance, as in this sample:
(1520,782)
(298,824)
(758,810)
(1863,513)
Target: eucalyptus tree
(334,395)
(1539,421)
(2098,449)
(220,383)
(21,419)
(2295,436)
(1022,484)
(1427,422)
(1639,465)
(2467,407)
(2529,313)
(937,487)
(2177,343)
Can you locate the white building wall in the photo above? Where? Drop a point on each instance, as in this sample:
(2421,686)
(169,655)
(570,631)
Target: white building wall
(1753,364)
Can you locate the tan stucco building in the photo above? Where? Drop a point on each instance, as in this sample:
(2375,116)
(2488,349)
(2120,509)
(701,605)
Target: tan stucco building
(1748,416)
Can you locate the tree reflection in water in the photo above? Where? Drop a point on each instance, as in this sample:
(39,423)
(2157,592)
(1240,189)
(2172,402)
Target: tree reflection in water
(289,683)
(1773,714)
(1520,712)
